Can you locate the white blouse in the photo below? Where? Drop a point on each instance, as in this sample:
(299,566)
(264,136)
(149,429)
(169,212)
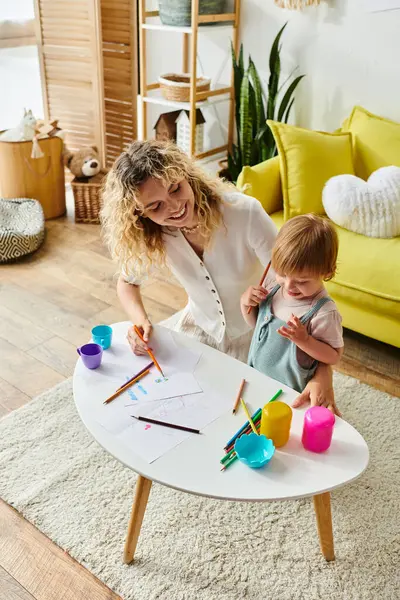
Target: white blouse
(234,260)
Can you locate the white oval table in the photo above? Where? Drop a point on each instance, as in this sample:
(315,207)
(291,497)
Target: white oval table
(194,465)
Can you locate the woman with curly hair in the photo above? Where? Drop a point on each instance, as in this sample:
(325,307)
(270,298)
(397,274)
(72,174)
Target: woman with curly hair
(161,208)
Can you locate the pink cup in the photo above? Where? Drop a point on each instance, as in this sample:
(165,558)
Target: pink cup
(318,429)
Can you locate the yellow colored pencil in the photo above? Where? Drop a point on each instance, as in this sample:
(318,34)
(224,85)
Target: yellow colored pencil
(248,416)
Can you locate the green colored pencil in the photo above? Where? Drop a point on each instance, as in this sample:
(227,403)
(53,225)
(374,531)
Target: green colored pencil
(278,393)
(229,462)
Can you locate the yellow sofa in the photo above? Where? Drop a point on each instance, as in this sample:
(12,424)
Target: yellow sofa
(366,287)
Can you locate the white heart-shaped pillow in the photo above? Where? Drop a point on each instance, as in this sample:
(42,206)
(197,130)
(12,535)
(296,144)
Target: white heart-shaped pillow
(369,207)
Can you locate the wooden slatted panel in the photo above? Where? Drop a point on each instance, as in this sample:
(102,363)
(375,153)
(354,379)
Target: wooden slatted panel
(119,43)
(69,33)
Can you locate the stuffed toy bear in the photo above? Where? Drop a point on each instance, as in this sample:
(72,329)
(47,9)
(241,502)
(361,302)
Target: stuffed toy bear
(83,163)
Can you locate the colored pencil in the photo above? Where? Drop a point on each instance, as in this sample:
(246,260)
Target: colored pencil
(229,462)
(246,410)
(278,393)
(137,375)
(153,358)
(125,387)
(233,438)
(238,396)
(257,423)
(261,282)
(172,425)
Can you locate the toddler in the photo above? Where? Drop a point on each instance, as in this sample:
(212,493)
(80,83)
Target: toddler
(297,325)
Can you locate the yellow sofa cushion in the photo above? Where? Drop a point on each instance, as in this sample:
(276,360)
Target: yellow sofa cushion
(376,141)
(308,159)
(263,181)
(366,288)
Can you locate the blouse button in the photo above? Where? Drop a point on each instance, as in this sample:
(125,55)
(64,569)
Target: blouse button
(202,264)
(220,312)
(213,291)
(223,323)
(218,302)
(208,279)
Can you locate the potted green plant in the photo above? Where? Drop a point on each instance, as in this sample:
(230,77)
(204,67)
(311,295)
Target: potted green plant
(254,139)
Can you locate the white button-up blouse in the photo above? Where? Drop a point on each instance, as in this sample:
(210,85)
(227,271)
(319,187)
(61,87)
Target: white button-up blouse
(234,260)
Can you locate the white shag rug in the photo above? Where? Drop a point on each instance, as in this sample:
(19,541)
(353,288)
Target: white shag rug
(192,548)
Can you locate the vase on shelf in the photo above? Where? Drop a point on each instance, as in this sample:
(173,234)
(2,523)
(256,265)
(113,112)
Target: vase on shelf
(178,13)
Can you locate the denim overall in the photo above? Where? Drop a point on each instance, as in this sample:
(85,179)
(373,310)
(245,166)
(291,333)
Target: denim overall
(276,356)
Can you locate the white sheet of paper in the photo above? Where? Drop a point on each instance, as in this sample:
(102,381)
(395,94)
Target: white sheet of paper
(119,365)
(152,441)
(155,387)
(381,5)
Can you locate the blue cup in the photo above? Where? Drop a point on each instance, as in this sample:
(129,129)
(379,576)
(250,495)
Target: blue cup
(102,335)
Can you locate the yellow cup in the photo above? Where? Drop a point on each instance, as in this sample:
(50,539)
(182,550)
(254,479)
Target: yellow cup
(276,418)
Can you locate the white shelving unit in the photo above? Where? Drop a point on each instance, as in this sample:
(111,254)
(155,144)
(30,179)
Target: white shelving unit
(150,92)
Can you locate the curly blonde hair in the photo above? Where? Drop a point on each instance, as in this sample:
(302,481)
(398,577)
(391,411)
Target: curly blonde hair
(134,241)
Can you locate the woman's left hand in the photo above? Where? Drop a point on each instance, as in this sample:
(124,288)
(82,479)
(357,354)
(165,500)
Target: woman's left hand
(319,392)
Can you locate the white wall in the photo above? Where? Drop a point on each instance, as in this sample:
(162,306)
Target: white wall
(349,56)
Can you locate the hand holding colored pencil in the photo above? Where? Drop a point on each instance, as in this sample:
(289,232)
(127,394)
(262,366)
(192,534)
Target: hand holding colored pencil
(153,358)
(261,282)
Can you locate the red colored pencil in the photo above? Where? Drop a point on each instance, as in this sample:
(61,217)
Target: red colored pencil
(261,282)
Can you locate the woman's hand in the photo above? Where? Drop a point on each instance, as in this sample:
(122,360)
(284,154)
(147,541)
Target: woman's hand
(253,296)
(140,348)
(319,391)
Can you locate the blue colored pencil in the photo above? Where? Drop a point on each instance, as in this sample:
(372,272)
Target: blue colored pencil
(233,438)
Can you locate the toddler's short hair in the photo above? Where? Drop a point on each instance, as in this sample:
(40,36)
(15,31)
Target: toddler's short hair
(307,243)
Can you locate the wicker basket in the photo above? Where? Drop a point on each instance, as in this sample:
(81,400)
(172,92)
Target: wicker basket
(176,87)
(179,12)
(87,196)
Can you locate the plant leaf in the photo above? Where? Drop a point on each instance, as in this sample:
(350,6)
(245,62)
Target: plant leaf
(286,118)
(255,80)
(274,74)
(238,72)
(246,133)
(288,94)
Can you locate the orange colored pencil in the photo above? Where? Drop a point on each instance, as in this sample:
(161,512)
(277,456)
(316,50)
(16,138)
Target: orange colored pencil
(261,282)
(238,396)
(153,358)
(126,386)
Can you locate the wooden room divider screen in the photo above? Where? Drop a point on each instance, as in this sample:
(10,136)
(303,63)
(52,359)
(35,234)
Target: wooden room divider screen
(88,61)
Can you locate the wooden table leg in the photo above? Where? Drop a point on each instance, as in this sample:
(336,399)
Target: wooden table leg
(142,492)
(322,507)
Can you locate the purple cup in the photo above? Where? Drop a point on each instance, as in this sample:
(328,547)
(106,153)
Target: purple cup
(91,354)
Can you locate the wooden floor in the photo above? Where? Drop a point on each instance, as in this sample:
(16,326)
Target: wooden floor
(48,305)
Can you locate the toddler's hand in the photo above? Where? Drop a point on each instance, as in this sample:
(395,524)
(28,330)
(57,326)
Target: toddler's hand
(253,296)
(295,330)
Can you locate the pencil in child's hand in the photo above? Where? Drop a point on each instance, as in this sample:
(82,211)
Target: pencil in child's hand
(261,282)
(238,396)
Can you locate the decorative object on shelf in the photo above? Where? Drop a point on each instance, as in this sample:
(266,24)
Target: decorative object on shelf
(84,163)
(176,87)
(86,187)
(370,207)
(21,228)
(255,142)
(183,131)
(165,126)
(178,13)
(296,4)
